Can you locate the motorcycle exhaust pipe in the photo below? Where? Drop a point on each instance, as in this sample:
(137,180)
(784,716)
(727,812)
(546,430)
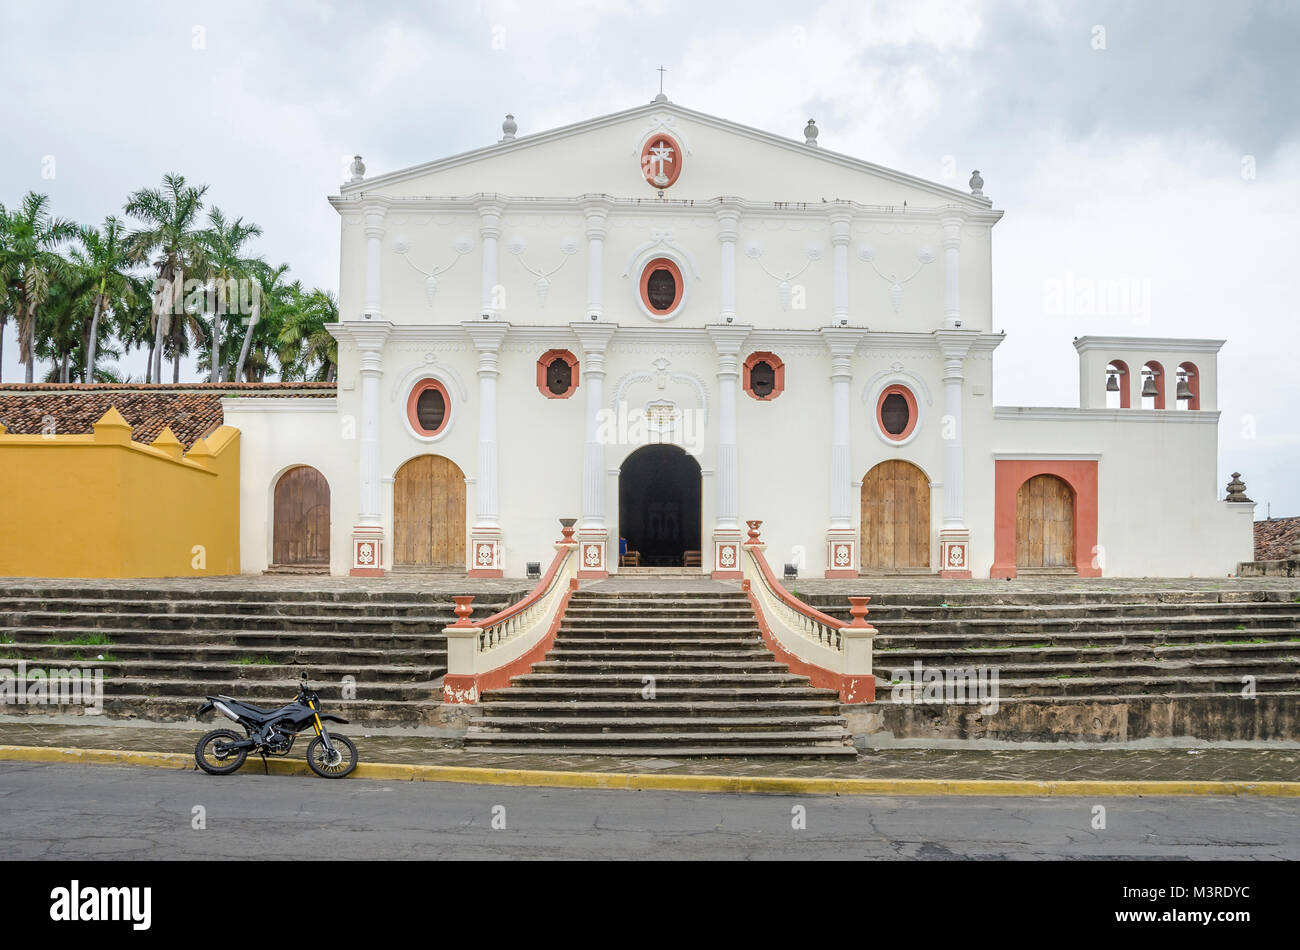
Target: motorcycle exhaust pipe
(225,711)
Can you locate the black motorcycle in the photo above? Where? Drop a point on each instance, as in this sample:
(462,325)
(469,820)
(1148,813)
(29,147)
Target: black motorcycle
(272,732)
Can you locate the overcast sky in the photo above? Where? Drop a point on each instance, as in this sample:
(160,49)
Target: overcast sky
(1138,141)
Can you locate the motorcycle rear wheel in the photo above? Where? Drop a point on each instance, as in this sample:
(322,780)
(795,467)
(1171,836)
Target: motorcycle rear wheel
(340,765)
(212,763)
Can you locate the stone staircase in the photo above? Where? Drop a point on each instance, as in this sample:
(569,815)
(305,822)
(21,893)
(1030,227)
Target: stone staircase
(1104,646)
(165,647)
(717,690)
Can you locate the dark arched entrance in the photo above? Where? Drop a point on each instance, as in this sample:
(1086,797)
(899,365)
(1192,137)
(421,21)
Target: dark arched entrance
(659,506)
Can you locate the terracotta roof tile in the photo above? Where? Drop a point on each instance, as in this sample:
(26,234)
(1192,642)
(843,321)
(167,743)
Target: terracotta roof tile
(192,410)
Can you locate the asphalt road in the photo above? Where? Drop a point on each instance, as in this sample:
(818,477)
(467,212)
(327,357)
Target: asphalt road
(91,812)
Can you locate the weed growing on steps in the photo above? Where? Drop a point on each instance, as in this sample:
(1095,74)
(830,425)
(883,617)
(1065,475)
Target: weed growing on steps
(263,660)
(85,640)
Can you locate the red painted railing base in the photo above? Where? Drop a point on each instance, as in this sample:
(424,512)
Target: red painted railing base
(469,689)
(852,689)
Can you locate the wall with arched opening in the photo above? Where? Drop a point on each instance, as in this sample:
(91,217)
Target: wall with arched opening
(300,531)
(1079,475)
(429,515)
(895,525)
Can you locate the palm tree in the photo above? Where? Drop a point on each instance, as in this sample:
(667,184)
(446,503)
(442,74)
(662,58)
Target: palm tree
(31,262)
(132,319)
(169,214)
(226,267)
(106,261)
(307,351)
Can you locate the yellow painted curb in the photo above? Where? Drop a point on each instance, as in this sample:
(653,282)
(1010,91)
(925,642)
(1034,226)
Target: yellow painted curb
(763,784)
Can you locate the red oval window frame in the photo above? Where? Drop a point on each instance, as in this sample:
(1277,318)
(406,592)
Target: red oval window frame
(911,412)
(675,171)
(544,363)
(661,263)
(418,390)
(778,373)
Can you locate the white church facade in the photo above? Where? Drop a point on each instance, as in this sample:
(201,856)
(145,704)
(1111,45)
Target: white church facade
(664,324)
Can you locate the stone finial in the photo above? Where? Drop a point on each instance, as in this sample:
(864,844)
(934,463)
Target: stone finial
(976,184)
(1237,489)
(358,169)
(508,128)
(810,133)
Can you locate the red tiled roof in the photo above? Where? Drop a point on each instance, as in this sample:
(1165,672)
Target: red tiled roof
(193,410)
(1273,538)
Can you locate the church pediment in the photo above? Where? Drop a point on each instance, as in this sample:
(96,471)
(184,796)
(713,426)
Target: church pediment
(663,150)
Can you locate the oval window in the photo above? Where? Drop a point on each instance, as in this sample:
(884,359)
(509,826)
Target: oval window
(762,379)
(896,413)
(661,287)
(428,408)
(559,376)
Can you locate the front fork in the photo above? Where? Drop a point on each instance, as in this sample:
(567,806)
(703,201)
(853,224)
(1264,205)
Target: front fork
(320,729)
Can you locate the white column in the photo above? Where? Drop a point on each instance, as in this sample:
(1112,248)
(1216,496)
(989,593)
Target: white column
(596,211)
(951,265)
(727,341)
(728,229)
(593,533)
(489,231)
(954,536)
(485,535)
(841,232)
(841,541)
(368,533)
(374,230)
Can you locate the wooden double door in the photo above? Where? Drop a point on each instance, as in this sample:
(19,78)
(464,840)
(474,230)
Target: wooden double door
(1045,525)
(429,515)
(300,535)
(895,519)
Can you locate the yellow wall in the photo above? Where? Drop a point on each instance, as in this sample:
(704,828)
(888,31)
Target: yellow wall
(103,506)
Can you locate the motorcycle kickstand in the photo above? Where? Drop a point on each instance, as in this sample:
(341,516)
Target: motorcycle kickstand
(266,769)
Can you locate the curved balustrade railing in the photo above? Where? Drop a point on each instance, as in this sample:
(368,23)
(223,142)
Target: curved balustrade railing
(830,652)
(486,654)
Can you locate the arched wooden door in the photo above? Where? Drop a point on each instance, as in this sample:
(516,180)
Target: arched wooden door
(301,533)
(895,518)
(1045,525)
(429,515)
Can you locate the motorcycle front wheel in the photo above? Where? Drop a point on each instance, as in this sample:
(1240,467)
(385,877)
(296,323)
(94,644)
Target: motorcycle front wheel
(215,762)
(341,763)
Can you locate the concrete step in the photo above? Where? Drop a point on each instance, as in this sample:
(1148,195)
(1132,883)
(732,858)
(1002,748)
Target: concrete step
(675,724)
(1113,636)
(184,653)
(663,740)
(1109,687)
(999,627)
(497,707)
(264,692)
(709,645)
(702,751)
(272,608)
(171,708)
(209,621)
(203,672)
(252,639)
(1269,652)
(577,693)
